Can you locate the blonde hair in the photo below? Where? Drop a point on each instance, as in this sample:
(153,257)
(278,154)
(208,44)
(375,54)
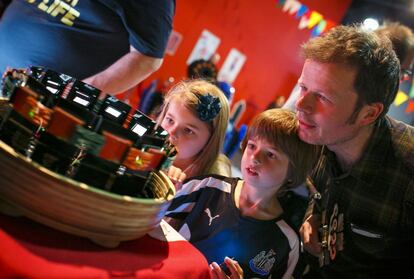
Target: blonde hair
(188,93)
(279,127)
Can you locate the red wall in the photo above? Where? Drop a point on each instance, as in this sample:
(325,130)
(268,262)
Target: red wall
(269,38)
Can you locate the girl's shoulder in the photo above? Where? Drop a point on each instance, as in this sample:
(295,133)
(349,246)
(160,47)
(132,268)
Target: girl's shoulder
(221,166)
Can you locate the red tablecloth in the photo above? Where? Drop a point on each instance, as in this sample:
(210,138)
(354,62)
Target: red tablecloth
(31,250)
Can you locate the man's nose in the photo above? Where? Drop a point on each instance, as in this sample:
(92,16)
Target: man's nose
(305,102)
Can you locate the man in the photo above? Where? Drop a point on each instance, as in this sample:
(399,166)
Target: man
(402,39)
(363,226)
(112,45)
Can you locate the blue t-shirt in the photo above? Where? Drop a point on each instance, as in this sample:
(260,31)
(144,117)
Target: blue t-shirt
(82,37)
(204,212)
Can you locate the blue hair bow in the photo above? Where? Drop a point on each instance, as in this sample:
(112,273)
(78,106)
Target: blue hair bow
(208,107)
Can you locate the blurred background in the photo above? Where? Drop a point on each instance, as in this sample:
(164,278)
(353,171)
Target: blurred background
(255,46)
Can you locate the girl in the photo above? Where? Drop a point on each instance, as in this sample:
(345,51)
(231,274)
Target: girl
(243,219)
(195,114)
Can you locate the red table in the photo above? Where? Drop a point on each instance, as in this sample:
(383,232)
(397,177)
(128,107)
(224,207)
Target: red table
(31,250)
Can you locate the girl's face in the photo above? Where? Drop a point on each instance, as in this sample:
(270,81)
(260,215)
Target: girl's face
(263,165)
(187,132)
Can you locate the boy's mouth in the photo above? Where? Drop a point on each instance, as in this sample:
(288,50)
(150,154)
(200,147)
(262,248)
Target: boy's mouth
(252,171)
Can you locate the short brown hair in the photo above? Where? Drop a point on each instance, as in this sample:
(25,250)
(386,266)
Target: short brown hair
(279,127)
(402,38)
(377,65)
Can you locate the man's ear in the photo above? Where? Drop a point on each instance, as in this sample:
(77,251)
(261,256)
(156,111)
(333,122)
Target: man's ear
(370,113)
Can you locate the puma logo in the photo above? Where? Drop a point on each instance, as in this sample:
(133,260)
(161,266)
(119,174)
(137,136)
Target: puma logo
(207,210)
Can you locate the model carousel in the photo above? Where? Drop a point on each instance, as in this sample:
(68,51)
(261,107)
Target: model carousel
(78,164)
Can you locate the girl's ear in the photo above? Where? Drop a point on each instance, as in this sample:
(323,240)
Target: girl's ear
(370,113)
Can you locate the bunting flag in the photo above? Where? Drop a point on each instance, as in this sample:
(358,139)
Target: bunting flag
(412,90)
(308,19)
(400,98)
(410,107)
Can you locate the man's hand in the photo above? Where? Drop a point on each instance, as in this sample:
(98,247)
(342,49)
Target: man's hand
(310,236)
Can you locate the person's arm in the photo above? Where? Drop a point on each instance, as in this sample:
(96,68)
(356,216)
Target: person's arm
(3,6)
(125,73)
(310,235)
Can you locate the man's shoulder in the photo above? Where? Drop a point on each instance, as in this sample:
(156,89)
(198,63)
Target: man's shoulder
(402,138)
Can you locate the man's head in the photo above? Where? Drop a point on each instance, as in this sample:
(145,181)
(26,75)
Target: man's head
(402,39)
(376,65)
(349,79)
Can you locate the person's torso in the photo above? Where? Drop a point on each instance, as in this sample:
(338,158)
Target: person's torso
(217,229)
(78,38)
(365,233)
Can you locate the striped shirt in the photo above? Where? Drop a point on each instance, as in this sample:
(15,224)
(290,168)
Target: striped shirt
(204,212)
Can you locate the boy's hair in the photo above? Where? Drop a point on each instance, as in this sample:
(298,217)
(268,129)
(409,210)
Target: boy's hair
(187,92)
(377,66)
(279,127)
(402,38)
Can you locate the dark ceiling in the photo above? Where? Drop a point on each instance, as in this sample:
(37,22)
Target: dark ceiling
(393,10)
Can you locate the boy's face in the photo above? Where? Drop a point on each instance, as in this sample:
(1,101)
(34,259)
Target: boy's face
(264,165)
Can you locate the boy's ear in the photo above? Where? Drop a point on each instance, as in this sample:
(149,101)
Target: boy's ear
(370,113)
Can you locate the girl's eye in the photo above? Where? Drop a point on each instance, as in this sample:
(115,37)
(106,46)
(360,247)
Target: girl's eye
(169,120)
(188,131)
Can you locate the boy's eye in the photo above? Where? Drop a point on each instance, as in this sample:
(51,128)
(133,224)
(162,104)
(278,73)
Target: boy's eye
(271,155)
(250,145)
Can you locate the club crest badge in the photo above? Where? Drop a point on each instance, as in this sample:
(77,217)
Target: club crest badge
(263,262)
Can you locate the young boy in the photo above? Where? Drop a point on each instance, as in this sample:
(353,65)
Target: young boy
(243,219)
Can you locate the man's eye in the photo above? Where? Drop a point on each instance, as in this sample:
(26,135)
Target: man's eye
(322,98)
(250,146)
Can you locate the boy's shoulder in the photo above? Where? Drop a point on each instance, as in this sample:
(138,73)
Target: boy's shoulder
(205,182)
(211,177)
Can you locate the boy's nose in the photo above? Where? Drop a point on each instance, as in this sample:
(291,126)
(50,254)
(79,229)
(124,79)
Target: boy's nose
(256,158)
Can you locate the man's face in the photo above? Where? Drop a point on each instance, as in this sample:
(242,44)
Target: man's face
(326,103)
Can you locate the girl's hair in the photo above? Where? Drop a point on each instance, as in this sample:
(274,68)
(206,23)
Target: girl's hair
(279,127)
(188,93)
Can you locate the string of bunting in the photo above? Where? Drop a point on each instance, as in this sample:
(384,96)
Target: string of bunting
(308,18)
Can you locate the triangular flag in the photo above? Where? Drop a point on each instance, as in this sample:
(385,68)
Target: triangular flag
(302,10)
(319,28)
(329,25)
(303,23)
(412,90)
(314,19)
(281,2)
(410,107)
(291,6)
(400,98)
